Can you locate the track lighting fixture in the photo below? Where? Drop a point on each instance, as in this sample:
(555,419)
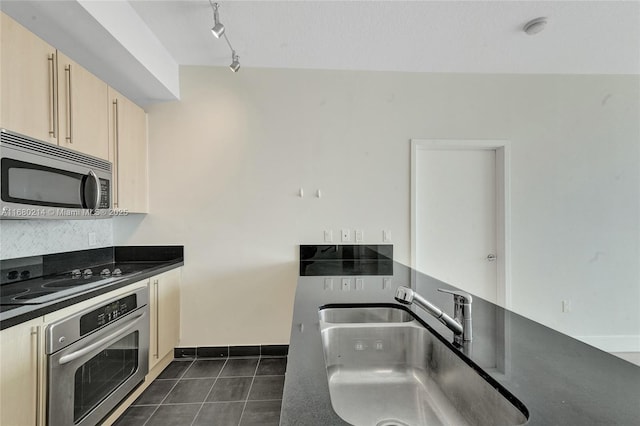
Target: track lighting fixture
(218,31)
(235,64)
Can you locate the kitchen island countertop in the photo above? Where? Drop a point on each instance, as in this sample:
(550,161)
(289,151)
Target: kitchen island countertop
(560,380)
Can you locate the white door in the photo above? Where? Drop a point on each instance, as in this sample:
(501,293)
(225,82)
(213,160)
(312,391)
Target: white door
(455,218)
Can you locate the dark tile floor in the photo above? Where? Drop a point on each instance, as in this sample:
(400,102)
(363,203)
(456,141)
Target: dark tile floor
(224,391)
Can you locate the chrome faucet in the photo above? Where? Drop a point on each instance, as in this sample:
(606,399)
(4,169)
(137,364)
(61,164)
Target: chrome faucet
(460,324)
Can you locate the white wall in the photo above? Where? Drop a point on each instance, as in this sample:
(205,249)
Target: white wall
(227,161)
(22,238)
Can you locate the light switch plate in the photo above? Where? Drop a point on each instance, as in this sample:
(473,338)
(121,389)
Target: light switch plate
(386,283)
(359,284)
(359,235)
(386,236)
(328,284)
(328,236)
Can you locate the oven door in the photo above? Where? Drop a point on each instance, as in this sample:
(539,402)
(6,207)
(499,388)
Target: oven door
(89,378)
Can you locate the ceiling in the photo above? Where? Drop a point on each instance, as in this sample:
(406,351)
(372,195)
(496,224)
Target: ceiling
(415,36)
(137,46)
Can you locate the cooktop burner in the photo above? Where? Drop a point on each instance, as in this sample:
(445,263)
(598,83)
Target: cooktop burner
(38,290)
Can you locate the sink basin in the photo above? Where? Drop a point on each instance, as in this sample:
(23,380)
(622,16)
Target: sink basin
(397,372)
(374,314)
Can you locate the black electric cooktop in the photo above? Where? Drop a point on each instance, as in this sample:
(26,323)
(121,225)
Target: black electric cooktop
(19,288)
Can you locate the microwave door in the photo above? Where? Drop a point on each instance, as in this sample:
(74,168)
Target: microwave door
(27,184)
(40,180)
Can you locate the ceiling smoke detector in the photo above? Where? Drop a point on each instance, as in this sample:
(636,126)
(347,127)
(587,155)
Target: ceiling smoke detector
(535,26)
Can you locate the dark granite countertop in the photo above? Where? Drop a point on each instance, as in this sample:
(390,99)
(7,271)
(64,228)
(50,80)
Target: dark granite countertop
(148,260)
(560,380)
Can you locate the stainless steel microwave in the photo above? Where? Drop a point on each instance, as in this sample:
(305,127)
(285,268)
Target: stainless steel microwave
(39,180)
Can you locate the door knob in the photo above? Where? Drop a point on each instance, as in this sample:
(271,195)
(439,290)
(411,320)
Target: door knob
(491,257)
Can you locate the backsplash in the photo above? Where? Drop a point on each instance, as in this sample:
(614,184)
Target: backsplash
(21,238)
(348,259)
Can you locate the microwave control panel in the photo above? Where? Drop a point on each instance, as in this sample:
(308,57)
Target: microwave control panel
(104,194)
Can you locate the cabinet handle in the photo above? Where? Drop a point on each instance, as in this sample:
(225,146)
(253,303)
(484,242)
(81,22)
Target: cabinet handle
(69,136)
(53,113)
(35,334)
(116,156)
(155,284)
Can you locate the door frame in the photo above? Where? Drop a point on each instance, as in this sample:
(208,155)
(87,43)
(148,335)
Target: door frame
(503,202)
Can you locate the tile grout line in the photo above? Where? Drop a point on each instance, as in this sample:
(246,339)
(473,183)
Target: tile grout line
(250,387)
(223,377)
(210,390)
(167,395)
(210,402)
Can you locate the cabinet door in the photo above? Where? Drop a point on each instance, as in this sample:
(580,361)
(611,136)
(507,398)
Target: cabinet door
(28,82)
(165,314)
(20,363)
(83,109)
(128,153)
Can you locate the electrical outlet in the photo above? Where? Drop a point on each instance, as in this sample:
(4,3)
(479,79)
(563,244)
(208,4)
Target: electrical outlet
(328,236)
(93,239)
(346,284)
(346,235)
(359,235)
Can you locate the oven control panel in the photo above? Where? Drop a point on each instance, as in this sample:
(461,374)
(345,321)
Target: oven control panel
(107,313)
(102,315)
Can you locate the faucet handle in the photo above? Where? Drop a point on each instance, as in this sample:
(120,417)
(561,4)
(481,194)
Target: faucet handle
(461,313)
(459,296)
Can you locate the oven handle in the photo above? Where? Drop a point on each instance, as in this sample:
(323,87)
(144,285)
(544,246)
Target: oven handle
(113,336)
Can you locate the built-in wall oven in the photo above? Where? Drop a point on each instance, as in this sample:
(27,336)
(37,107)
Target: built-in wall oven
(95,358)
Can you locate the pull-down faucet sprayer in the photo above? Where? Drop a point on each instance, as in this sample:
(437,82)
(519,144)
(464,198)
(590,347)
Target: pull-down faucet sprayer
(460,324)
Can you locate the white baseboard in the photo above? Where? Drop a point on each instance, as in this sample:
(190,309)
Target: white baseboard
(619,343)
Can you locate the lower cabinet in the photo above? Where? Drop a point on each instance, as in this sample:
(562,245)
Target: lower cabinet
(21,358)
(23,361)
(164,307)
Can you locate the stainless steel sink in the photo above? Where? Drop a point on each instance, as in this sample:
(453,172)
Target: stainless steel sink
(396,372)
(374,314)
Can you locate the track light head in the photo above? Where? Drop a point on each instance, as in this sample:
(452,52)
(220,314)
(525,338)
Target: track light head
(218,29)
(218,32)
(235,64)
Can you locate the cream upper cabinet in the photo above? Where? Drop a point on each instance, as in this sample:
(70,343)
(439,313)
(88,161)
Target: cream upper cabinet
(28,89)
(128,153)
(83,109)
(20,377)
(164,307)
